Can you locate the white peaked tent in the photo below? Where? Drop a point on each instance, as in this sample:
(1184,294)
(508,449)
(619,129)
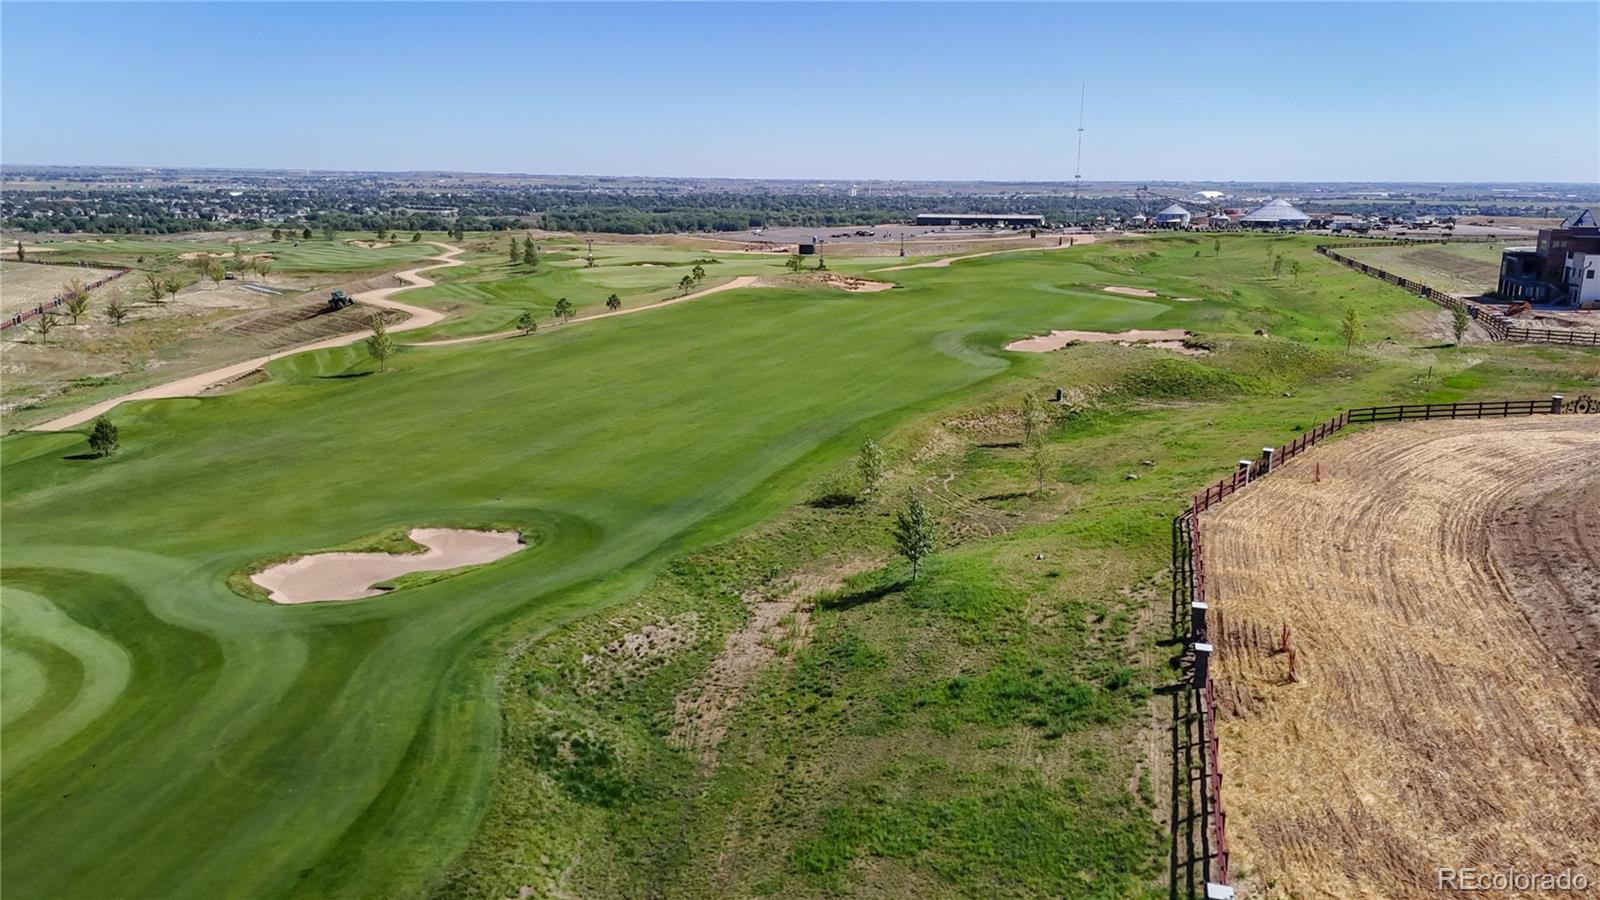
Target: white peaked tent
(1275,214)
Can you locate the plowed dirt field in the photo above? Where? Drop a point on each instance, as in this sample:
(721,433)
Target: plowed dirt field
(1441,589)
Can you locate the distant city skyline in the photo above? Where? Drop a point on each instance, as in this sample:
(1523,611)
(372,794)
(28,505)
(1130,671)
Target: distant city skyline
(1193,92)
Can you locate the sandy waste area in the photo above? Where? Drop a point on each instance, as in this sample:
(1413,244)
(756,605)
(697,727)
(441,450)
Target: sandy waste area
(1170,339)
(350,576)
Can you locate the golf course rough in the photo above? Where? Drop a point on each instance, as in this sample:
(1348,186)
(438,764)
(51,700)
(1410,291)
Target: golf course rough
(166,739)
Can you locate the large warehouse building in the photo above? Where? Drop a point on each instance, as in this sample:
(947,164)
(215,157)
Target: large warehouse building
(997,220)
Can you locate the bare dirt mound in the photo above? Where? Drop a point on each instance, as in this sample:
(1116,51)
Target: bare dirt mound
(1439,586)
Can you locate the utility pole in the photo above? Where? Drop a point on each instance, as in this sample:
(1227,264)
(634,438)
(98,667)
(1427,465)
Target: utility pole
(1077,177)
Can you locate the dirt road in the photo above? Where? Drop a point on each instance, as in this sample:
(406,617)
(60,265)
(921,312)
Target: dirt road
(1441,592)
(195,384)
(742,281)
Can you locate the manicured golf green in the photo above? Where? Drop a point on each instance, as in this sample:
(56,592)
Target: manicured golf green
(165,737)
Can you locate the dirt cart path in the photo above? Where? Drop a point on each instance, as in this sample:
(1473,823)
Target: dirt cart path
(194,384)
(1439,585)
(743,281)
(1077,240)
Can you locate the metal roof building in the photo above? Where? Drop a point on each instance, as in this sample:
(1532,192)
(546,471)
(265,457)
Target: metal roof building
(1275,214)
(1174,216)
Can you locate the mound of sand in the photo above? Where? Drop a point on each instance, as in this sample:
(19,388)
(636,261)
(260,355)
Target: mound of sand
(857,285)
(1170,339)
(371,245)
(351,576)
(1129,291)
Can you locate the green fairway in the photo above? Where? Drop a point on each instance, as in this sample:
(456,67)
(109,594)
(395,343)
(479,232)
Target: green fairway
(165,737)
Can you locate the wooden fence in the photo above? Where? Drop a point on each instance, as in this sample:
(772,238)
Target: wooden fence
(16,319)
(1190,574)
(1499,327)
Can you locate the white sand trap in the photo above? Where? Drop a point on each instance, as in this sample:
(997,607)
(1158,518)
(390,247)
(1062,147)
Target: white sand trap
(1171,339)
(1187,299)
(1129,291)
(351,576)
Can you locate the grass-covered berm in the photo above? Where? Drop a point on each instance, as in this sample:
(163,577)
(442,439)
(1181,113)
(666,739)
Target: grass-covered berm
(707,675)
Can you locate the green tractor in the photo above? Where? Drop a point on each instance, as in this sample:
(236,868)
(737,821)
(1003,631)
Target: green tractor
(339,301)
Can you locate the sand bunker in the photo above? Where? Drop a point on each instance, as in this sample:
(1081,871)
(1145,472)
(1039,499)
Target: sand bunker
(351,576)
(371,245)
(1171,339)
(857,285)
(1129,291)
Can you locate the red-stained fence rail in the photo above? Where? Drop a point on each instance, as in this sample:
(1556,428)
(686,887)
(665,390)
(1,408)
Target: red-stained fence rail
(12,321)
(1499,327)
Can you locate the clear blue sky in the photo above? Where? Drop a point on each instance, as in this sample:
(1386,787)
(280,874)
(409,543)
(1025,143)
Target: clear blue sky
(1256,91)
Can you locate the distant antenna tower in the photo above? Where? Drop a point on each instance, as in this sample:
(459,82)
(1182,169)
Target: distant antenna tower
(1077,177)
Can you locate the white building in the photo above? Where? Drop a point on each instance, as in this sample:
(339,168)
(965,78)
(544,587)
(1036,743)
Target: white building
(1578,274)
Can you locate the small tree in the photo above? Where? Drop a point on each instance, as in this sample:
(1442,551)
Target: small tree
(914,533)
(45,324)
(1460,321)
(103,438)
(530,253)
(155,286)
(872,464)
(613,303)
(215,271)
(514,252)
(1277,266)
(526,323)
(1351,328)
(685,283)
(822,264)
(380,345)
(1033,418)
(172,284)
(383,232)
(115,311)
(277,235)
(564,310)
(22,255)
(263,267)
(305,233)
(1039,461)
(416,236)
(1294,269)
(77,299)
(795,262)
(699,273)
(1216,246)
(327,232)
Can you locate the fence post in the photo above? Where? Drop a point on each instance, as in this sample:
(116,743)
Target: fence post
(1202,664)
(1266,460)
(1555,404)
(1197,619)
(1216,891)
(1243,470)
